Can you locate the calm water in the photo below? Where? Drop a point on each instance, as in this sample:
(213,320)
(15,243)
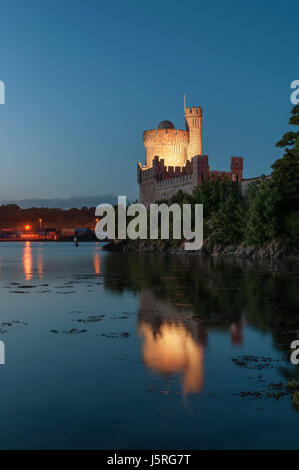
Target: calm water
(127,351)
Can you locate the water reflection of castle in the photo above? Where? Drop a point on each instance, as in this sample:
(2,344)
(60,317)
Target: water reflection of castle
(173,341)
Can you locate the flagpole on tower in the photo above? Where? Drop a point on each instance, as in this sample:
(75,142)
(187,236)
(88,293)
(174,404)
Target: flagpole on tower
(184,101)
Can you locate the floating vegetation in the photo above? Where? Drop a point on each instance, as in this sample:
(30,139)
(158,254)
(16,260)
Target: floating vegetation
(68,332)
(275,391)
(13,322)
(249,394)
(68,292)
(293,388)
(122,317)
(254,362)
(121,357)
(9,324)
(18,292)
(124,334)
(91,319)
(162,392)
(64,287)
(26,287)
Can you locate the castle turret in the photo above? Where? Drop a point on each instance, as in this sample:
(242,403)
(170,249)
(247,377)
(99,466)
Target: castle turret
(236,167)
(166,142)
(193,117)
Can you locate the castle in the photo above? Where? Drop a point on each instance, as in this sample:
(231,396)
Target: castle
(174,160)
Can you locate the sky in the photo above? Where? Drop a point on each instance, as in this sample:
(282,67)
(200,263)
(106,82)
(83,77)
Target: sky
(84,79)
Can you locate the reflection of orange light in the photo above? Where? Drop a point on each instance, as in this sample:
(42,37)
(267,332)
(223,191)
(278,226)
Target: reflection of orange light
(40,265)
(27,261)
(173,350)
(97,263)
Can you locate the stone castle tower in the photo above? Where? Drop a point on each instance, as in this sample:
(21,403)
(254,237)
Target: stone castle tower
(174,160)
(193,117)
(175,146)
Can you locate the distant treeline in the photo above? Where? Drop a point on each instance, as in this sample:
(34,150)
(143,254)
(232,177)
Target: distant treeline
(12,216)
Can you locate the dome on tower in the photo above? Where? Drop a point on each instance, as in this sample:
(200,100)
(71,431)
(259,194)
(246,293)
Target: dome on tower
(166,125)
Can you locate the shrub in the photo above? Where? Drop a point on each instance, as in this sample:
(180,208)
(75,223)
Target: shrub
(292,227)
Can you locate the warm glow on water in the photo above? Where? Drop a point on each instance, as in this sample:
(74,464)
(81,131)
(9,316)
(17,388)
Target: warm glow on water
(174,350)
(40,265)
(97,263)
(27,261)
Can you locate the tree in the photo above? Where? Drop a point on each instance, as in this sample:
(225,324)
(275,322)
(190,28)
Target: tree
(286,169)
(212,193)
(263,223)
(226,225)
(223,210)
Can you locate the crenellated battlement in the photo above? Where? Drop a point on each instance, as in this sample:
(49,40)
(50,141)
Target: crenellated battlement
(165,172)
(162,136)
(160,171)
(236,162)
(193,111)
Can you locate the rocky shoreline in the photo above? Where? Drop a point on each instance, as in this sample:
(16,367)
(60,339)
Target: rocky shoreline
(273,250)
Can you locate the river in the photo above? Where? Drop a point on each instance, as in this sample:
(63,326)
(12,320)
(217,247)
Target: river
(140,351)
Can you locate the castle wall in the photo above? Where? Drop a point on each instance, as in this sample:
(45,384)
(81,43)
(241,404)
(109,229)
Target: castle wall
(163,182)
(246,183)
(169,187)
(147,185)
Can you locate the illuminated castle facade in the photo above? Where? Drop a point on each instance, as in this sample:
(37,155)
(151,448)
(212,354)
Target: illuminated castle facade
(174,160)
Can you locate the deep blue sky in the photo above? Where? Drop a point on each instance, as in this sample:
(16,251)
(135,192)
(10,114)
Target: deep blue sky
(84,78)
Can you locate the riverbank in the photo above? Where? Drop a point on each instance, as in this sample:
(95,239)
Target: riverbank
(273,250)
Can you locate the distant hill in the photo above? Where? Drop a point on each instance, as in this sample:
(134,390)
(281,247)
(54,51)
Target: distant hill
(67,203)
